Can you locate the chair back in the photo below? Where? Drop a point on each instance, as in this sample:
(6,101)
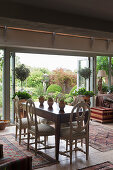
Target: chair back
(82,117)
(17,109)
(30,111)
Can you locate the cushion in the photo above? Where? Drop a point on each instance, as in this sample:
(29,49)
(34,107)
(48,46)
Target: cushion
(44,130)
(65,133)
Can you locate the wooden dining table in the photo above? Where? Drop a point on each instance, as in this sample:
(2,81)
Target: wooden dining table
(55,115)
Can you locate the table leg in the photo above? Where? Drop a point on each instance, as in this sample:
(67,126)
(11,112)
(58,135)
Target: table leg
(57,137)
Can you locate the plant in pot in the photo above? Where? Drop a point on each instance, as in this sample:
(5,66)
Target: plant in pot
(40,93)
(61,98)
(50,100)
(23,97)
(85,73)
(85,94)
(22,72)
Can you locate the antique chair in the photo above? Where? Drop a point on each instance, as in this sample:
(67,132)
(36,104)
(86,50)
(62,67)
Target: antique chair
(35,129)
(78,131)
(21,123)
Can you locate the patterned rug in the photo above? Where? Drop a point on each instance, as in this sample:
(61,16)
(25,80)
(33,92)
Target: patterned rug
(100,137)
(13,150)
(102,166)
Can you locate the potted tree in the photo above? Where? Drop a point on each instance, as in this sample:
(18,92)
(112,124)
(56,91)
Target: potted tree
(22,72)
(85,73)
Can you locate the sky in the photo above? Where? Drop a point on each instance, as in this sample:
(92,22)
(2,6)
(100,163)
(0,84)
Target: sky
(50,62)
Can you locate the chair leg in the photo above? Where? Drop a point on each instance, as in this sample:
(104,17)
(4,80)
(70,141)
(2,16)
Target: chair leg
(36,146)
(45,140)
(82,142)
(75,146)
(87,148)
(28,141)
(66,144)
(19,136)
(16,133)
(70,152)
(24,132)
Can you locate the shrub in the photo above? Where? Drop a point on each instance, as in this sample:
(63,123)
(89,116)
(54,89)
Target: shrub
(54,88)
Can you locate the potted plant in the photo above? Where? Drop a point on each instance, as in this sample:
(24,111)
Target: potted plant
(82,92)
(85,73)
(40,93)
(61,98)
(23,97)
(22,72)
(50,100)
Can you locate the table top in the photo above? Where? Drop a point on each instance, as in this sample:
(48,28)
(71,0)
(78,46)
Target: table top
(55,108)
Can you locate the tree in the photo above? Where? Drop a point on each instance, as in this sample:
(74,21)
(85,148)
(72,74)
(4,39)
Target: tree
(85,73)
(22,72)
(65,78)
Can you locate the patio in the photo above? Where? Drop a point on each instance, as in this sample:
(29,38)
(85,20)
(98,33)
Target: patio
(95,156)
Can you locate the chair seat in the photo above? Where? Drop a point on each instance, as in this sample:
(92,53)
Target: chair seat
(43,130)
(24,123)
(65,133)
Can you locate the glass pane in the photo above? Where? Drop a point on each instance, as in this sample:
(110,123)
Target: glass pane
(102,70)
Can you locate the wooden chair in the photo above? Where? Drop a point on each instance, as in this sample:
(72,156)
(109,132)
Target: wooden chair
(78,132)
(35,129)
(21,123)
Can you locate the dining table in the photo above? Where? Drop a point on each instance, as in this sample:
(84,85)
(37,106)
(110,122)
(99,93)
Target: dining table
(55,115)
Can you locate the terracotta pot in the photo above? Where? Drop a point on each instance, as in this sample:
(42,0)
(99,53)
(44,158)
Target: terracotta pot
(41,100)
(50,102)
(61,105)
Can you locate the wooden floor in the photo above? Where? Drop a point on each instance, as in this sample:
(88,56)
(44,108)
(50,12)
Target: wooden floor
(79,161)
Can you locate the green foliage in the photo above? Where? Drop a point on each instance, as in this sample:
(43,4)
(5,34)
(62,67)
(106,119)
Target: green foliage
(105,88)
(103,64)
(22,73)
(22,95)
(69,99)
(40,90)
(72,90)
(85,72)
(35,79)
(61,97)
(111,89)
(54,88)
(83,91)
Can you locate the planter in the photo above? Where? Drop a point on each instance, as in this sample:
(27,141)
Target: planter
(41,100)
(3,124)
(50,102)
(61,105)
(86,99)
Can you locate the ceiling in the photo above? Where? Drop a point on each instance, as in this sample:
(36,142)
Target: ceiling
(90,14)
